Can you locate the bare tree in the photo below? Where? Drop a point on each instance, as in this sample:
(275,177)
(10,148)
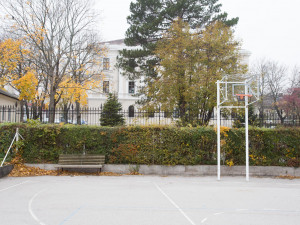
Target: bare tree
(260,68)
(51,28)
(274,79)
(84,68)
(295,80)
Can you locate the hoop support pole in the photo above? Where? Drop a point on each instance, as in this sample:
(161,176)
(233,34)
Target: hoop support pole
(218,130)
(246,131)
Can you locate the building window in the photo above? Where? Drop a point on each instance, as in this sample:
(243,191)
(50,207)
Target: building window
(131,87)
(106,64)
(106,86)
(131,111)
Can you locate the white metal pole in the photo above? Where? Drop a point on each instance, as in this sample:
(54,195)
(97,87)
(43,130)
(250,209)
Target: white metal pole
(17,139)
(218,130)
(8,149)
(246,131)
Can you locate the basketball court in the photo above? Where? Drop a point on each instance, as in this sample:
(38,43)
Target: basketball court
(151,200)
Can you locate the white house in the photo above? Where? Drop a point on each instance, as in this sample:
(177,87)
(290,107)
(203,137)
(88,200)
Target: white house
(8,104)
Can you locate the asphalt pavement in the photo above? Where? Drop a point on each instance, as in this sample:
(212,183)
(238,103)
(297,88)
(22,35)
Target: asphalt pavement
(148,200)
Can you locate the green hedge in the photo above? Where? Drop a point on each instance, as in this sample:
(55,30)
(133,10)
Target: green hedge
(161,145)
(267,147)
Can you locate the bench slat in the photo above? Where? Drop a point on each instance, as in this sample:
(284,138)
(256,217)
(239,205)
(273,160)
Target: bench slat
(82,157)
(80,161)
(78,166)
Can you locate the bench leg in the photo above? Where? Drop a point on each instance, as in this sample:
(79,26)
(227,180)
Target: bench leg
(58,170)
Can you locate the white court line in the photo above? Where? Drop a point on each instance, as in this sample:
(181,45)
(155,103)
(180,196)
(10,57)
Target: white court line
(203,220)
(31,211)
(176,206)
(14,186)
(219,213)
(241,209)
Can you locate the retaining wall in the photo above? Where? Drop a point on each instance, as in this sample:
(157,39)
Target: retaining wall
(203,170)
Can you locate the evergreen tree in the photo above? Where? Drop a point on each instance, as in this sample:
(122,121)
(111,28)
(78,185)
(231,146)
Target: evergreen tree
(110,115)
(148,22)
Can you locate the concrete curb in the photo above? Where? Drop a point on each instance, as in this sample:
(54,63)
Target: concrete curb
(5,170)
(202,170)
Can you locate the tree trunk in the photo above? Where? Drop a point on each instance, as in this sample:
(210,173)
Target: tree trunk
(182,110)
(279,113)
(65,113)
(22,103)
(78,114)
(52,106)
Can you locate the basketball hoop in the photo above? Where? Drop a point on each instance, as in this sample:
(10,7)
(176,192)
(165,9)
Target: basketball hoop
(241,96)
(250,88)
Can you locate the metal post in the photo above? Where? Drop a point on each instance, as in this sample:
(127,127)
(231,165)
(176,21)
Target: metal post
(246,131)
(17,138)
(9,149)
(218,130)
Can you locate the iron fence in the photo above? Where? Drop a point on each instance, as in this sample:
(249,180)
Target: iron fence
(91,116)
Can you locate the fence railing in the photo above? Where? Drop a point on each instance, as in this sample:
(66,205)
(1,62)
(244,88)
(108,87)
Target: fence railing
(91,116)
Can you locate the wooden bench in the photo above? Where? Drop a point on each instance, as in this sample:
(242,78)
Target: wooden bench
(80,161)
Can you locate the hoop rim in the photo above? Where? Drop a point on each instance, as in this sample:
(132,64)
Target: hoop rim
(243,95)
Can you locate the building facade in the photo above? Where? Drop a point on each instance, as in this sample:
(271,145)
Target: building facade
(114,81)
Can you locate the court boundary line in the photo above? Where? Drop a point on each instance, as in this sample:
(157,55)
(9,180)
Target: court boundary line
(14,186)
(176,206)
(30,208)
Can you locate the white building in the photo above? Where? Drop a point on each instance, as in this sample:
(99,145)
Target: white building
(114,81)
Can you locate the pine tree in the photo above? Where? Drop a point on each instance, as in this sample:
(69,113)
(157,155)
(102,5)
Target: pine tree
(110,115)
(149,19)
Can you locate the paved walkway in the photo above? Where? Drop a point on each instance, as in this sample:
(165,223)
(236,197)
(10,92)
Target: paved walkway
(148,200)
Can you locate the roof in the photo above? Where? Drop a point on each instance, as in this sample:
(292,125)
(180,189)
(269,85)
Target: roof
(2,92)
(115,42)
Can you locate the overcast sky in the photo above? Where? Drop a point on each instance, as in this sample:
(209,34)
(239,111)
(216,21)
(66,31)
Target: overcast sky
(267,28)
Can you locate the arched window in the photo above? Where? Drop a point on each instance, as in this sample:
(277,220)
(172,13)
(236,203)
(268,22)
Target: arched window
(131,111)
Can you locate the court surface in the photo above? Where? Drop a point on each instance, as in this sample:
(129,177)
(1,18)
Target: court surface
(153,200)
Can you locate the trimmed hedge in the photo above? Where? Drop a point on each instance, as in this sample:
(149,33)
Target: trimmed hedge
(267,147)
(160,145)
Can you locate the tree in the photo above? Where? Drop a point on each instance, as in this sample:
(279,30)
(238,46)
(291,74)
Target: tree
(240,117)
(110,115)
(150,19)
(290,102)
(260,69)
(84,73)
(52,30)
(272,86)
(17,72)
(190,65)
(10,56)
(295,81)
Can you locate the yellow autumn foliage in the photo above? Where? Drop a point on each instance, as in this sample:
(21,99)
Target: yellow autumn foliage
(27,85)
(10,56)
(71,91)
